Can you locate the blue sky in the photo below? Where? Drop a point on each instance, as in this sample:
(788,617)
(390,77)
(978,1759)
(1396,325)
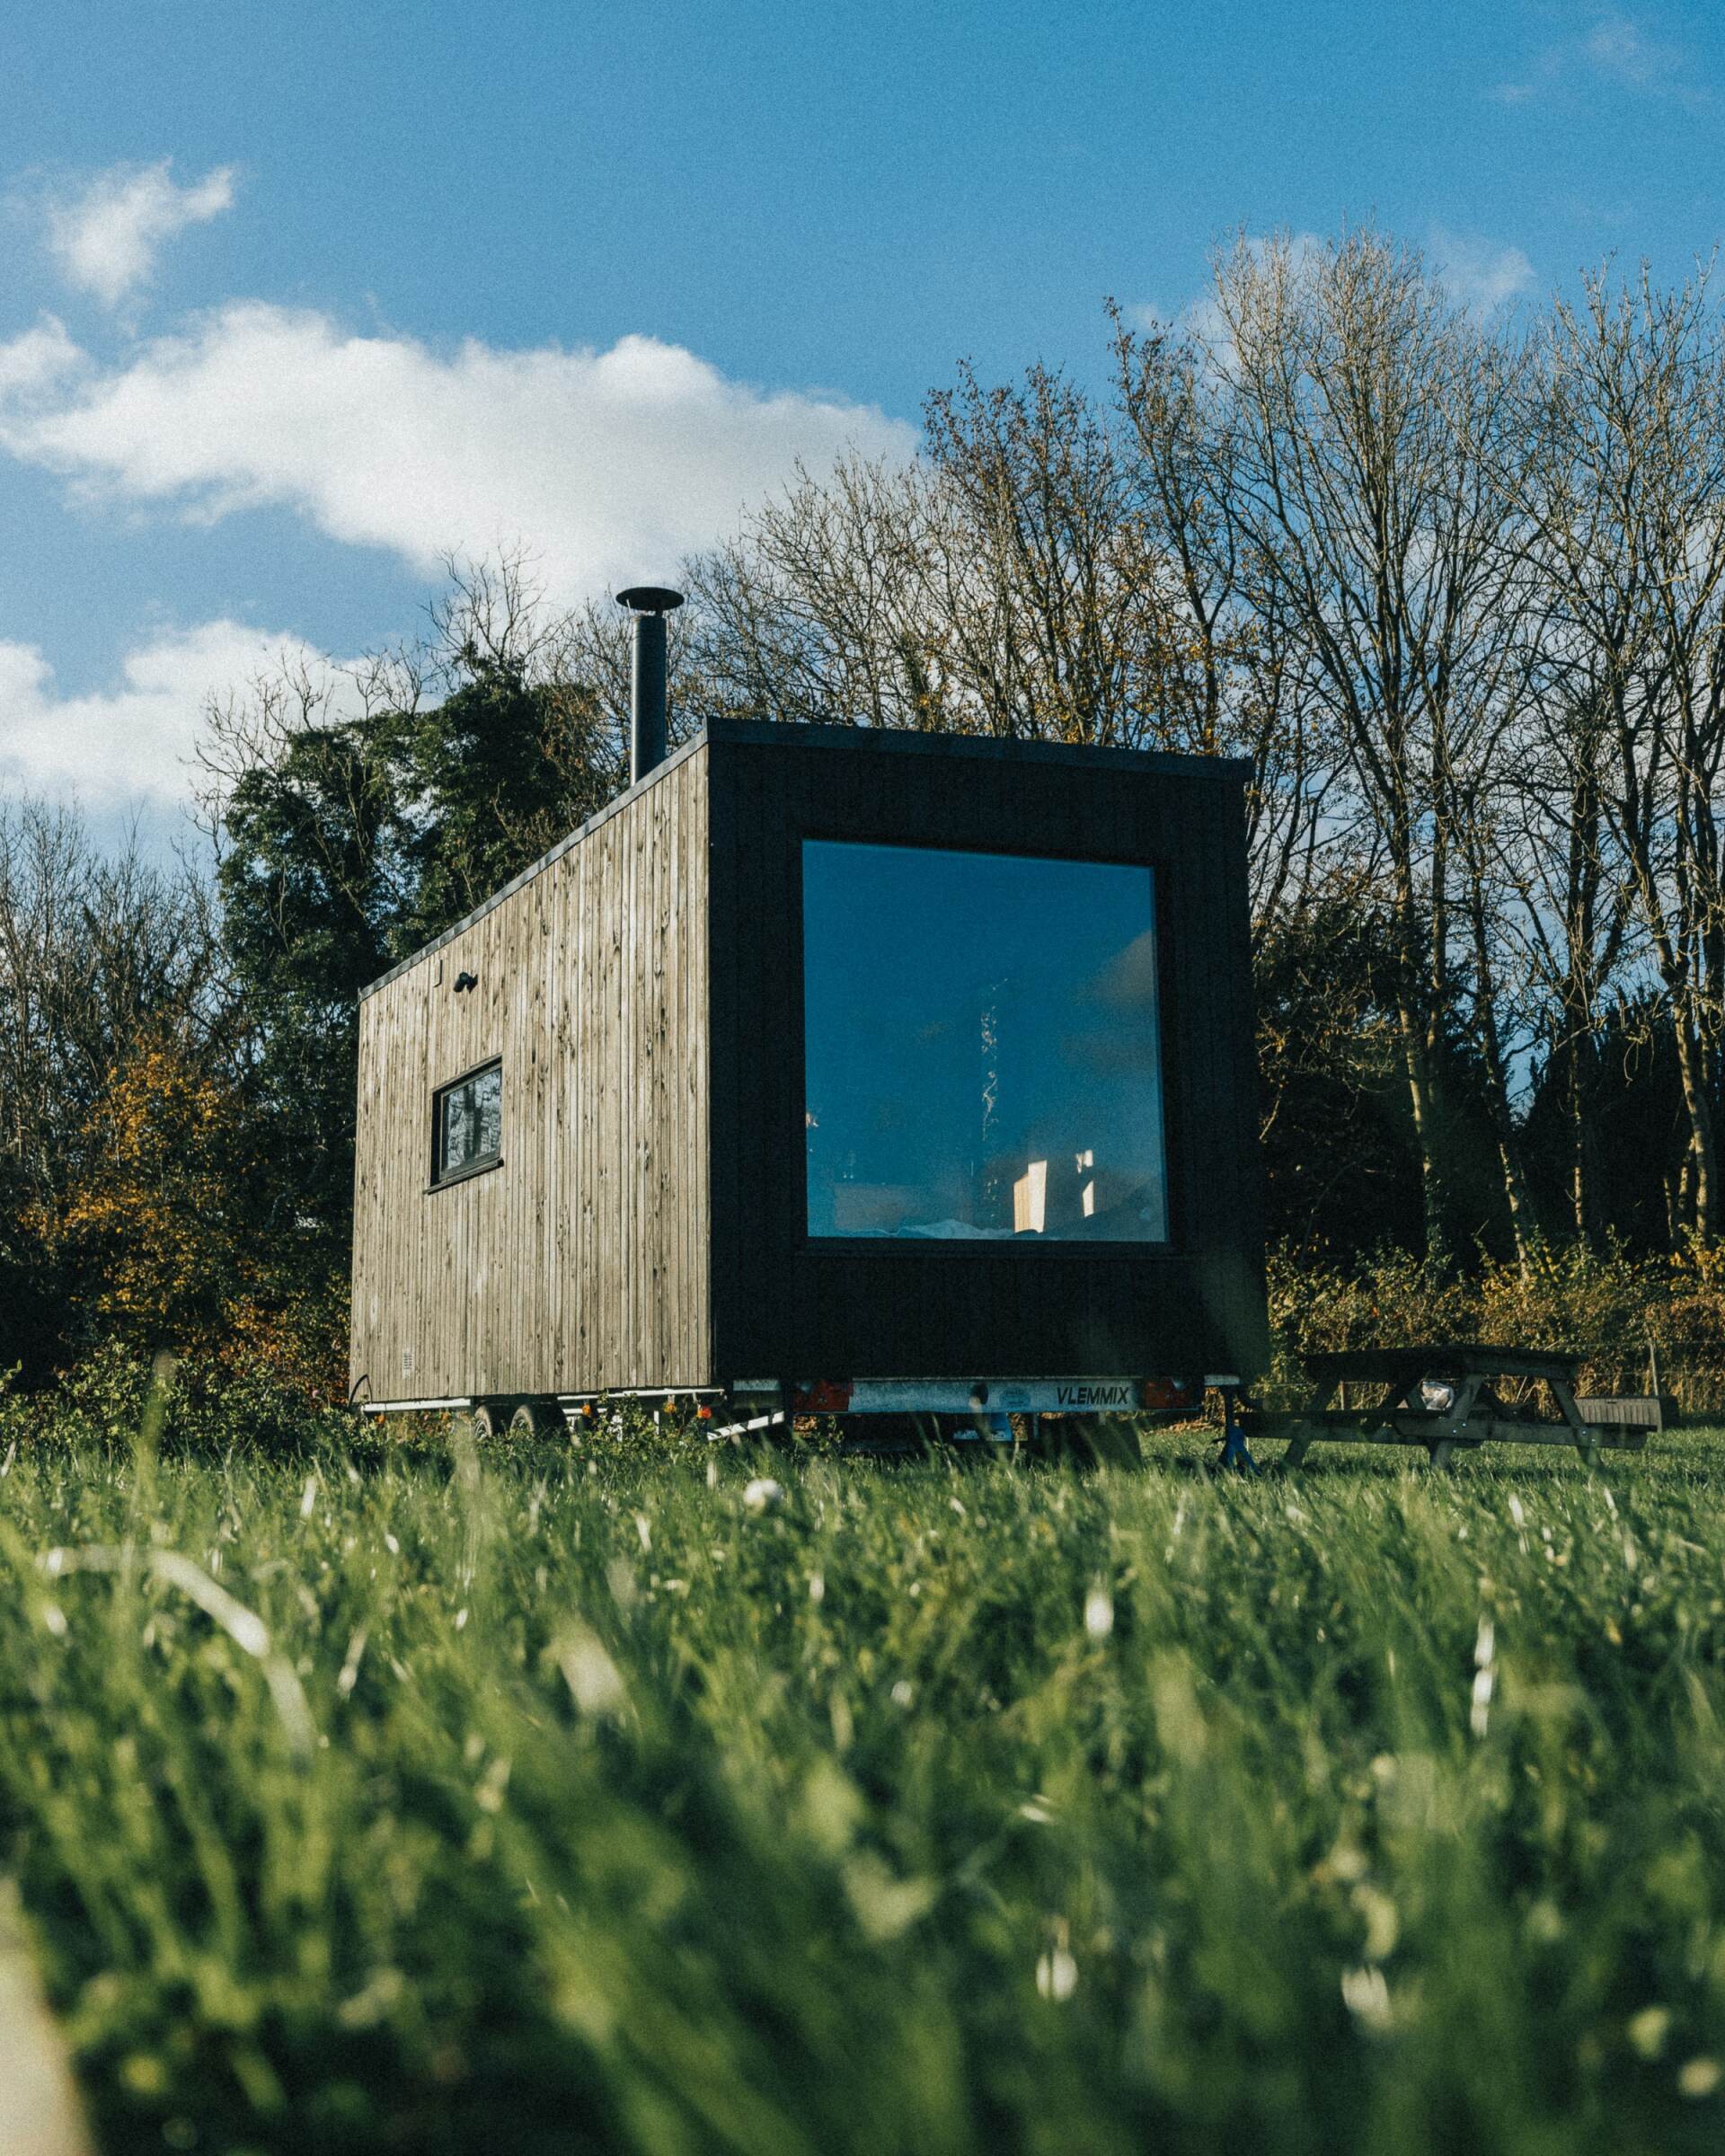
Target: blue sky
(298,297)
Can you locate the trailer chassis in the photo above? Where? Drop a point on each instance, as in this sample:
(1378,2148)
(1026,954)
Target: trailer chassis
(978,1408)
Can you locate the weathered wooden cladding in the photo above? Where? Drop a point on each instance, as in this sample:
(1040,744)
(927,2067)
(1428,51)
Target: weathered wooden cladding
(643,987)
(579,1262)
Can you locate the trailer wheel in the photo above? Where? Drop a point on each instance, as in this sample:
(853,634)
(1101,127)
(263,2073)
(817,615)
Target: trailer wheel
(486,1416)
(1090,1440)
(880,1436)
(530,1420)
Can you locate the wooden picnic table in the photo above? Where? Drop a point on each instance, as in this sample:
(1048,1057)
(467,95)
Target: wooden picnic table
(1414,1410)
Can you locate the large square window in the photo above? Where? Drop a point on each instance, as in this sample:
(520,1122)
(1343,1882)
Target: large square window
(982,1046)
(467,1124)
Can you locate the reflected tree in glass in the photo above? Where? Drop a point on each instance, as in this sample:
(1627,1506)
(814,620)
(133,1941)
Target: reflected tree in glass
(470,1122)
(982,1046)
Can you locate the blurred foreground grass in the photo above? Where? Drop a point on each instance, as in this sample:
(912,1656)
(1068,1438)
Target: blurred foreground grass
(544,1800)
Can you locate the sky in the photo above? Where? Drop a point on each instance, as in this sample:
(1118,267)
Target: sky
(297,299)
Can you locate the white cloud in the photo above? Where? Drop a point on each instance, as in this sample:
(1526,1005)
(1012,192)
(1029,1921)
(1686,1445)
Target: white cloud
(131,743)
(1616,50)
(107,235)
(1617,47)
(40,359)
(1480,273)
(607,464)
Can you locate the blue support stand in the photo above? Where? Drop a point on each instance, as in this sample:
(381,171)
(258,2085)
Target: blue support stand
(1236,1454)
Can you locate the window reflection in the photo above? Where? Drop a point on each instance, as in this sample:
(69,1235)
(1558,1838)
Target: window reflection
(983,1051)
(470,1122)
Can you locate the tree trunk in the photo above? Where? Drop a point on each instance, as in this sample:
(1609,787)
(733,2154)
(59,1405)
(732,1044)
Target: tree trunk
(1522,1224)
(1415,1023)
(1422,1097)
(1703,1152)
(1580,1163)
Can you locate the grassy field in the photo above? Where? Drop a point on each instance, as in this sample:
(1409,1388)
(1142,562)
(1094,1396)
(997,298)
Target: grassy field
(555,1801)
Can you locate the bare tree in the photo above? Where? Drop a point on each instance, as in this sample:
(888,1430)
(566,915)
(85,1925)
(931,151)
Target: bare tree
(1373,439)
(998,585)
(1236,675)
(1628,499)
(813,613)
(1050,606)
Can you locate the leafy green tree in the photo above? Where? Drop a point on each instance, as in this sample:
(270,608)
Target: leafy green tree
(314,894)
(358,814)
(491,777)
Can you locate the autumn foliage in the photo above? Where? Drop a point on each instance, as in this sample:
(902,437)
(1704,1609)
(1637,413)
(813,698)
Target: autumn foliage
(158,1213)
(164,1226)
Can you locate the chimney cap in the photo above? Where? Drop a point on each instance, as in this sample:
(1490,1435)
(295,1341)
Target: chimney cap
(649,599)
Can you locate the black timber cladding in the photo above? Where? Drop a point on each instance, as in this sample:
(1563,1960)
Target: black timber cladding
(787,1306)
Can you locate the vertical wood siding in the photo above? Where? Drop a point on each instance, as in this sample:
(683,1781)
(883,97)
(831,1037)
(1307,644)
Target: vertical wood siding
(581,1262)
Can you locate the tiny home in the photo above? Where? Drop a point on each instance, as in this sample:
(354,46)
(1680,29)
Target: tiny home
(829,1068)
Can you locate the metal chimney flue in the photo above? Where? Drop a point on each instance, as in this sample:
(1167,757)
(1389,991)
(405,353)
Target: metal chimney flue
(650,604)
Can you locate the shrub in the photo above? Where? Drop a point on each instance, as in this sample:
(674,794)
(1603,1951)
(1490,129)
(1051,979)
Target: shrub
(1606,1304)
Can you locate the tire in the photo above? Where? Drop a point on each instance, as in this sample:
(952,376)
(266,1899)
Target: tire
(880,1436)
(486,1415)
(1087,1441)
(1114,1441)
(530,1421)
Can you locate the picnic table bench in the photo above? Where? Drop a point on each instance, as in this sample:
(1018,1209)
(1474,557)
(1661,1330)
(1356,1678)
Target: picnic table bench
(1444,1398)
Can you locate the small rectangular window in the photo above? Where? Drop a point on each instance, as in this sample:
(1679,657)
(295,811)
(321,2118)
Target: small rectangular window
(467,1124)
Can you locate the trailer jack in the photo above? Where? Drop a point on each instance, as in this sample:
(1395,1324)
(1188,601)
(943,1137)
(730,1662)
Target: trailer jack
(1236,1453)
